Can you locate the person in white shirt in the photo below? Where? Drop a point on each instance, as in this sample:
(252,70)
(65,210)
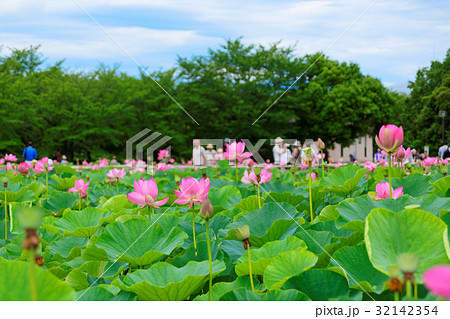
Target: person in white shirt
(442,150)
(210,154)
(198,154)
(278,150)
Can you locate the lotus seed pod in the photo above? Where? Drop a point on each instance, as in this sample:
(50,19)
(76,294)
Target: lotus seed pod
(408,263)
(242,232)
(207,210)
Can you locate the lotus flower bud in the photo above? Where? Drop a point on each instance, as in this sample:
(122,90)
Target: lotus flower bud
(320,144)
(408,263)
(207,210)
(23,168)
(400,154)
(242,233)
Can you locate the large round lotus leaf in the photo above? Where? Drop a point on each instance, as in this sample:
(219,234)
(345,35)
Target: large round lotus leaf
(279,187)
(263,256)
(243,294)
(413,184)
(139,242)
(103,293)
(343,180)
(202,253)
(62,183)
(82,223)
(221,288)
(117,203)
(15,283)
(287,265)
(353,212)
(249,204)
(67,247)
(285,197)
(226,197)
(165,282)
(319,284)
(411,231)
(266,224)
(315,240)
(92,271)
(58,201)
(442,186)
(360,273)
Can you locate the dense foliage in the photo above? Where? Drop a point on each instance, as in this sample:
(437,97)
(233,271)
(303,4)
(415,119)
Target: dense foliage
(91,114)
(104,247)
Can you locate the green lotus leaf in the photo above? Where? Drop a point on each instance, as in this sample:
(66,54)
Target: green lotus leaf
(12,196)
(360,273)
(266,224)
(344,180)
(353,212)
(442,186)
(104,293)
(202,253)
(58,201)
(67,247)
(62,184)
(414,184)
(412,231)
(243,294)
(15,283)
(221,288)
(279,187)
(319,284)
(226,197)
(263,256)
(285,197)
(139,242)
(117,203)
(36,188)
(316,240)
(286,265)
(165,282)
(82,223)
(249,204)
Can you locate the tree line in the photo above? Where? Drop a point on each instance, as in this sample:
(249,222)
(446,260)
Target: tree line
(92,114)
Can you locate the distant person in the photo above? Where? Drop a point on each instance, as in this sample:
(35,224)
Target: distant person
(64,160)
(423,156)
(296,151)
(352,158)
(29,153)
(114,161)
(378,155)
(219,156)
(198,154)
(443,149)
(57,156)
(278,150)
(210,154)
(326,154)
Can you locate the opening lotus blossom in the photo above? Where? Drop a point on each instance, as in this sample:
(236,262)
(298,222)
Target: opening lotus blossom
(145,194)
(382,190)
(389,138)
(80,188)
(192,191)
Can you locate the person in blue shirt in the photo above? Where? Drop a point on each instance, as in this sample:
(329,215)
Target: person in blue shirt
(29,153)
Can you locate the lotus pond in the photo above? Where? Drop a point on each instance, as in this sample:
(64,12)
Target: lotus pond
(104,244)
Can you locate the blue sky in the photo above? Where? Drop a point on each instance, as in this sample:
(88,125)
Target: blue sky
(390,42)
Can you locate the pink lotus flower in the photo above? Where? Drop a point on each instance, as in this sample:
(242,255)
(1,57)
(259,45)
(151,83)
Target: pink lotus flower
(163,166)
(80,188)
(382,190)
(235,151)
(10,158)
(23,168)
(313,175)
(304,166)
(268,167)
(102,163)
(39,167)
(189,162)
(95,167)
(172,160)
(116,174)
(400,154)
(389,138)
(163,154)
(9,166)
(145,194)
(320,144)
(282,163)
(2,161)
(252,178)
(248,162)
(408,153)
(338,164)
(140,170)
(85,163)
(192,191)
(267,161)
(444,162)
(437,280)
(430,161)
(181,168)
(371,166)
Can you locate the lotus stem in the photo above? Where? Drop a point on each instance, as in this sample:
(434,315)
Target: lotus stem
(390,173)
(408,288)
(6,218)
(79,201)
(46,181)
(310,194)
(237,171)
(259,198)
(193,229)
(209,258)
(396,296)
(117,187)
(32,276)
(323,163)
(250,269)
(415,289)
